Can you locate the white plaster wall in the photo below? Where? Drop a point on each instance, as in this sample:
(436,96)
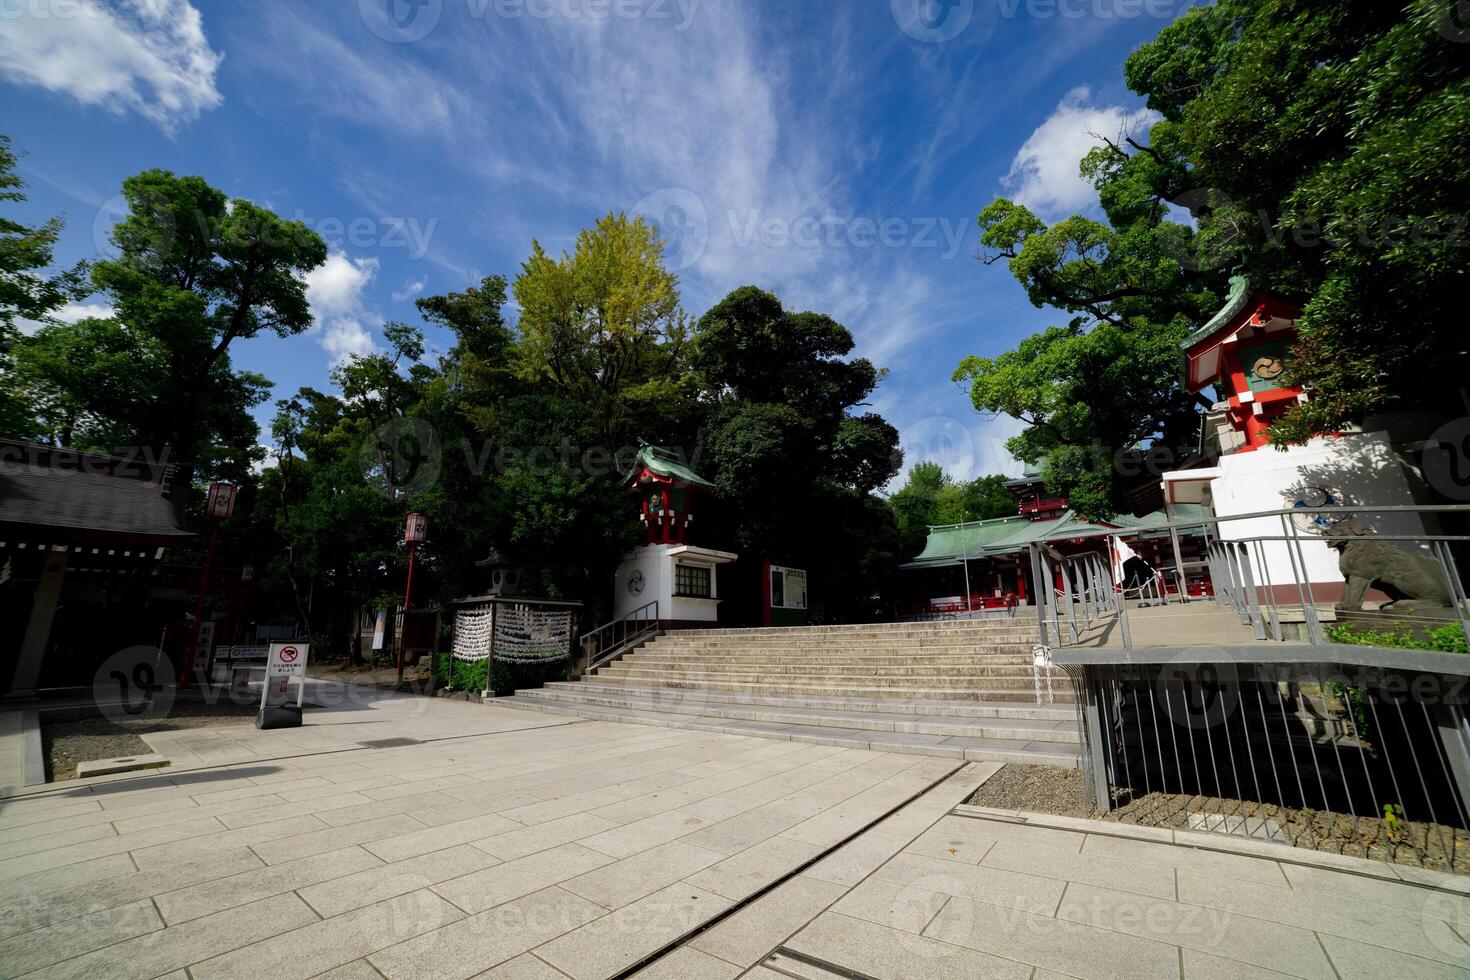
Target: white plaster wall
(658,580)
(1361,466)
(657,565)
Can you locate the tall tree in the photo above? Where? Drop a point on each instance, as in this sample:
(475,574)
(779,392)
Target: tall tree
(27,291)
(604,326)
(1331,138)
(795,462)
(194,273)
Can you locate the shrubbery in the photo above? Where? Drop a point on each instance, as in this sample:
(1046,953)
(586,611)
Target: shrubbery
(1449,638)
(508,677)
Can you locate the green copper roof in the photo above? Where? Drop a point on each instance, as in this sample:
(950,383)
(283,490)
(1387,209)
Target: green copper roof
(951,543)
(666,464)
(1240,295)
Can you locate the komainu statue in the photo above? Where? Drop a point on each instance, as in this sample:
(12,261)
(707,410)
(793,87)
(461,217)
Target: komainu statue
(1397,572)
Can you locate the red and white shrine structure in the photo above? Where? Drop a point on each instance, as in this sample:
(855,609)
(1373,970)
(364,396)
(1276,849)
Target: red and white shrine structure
(680,576)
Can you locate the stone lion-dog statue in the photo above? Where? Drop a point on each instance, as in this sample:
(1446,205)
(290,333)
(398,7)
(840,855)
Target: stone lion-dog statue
(1397,572)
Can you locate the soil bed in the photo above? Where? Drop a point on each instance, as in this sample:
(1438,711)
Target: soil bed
(66,743)
(1046,789)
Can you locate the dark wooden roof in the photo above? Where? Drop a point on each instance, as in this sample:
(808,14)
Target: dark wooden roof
(62,491)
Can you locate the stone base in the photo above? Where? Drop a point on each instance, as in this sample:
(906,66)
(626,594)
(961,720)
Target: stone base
(130,763)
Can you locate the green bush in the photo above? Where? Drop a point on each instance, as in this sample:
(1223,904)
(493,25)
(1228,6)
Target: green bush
(1449,638)
(469,675)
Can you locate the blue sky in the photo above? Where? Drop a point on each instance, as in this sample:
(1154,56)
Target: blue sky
(835,152)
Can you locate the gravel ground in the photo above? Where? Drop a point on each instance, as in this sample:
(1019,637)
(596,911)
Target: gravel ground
(1046,789)
(1040,789)
(66,743)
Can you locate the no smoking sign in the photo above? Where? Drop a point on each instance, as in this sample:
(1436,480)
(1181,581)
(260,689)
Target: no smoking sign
(287,660)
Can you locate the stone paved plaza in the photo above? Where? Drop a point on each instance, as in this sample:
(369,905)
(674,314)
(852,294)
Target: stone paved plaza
(407,837)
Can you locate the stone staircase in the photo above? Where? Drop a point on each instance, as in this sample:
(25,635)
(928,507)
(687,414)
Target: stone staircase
(964,690)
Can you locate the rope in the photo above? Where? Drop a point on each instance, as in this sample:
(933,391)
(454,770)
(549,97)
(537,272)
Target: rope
(525,635)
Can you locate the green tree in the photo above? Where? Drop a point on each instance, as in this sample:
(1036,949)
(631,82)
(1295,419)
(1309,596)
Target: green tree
(603,325)
(794,459)
(26,290)
(194,273)
(1331,137)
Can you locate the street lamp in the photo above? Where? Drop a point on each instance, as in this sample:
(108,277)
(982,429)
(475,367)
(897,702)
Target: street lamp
(416,530)
(219,505)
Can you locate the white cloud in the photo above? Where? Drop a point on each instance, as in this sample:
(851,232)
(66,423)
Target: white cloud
(335,290)
(146,56)
(410,289)
(1044,174)
(70,313)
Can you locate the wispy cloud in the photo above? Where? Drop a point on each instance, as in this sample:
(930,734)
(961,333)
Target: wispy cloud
(1044,175)
(145,56)
(336,291)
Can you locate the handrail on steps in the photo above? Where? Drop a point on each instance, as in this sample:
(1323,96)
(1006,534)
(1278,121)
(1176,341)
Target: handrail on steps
(613,639)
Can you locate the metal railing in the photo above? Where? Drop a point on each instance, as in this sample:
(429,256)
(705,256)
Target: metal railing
(1368,757)
(1265,579)
(612,640)
(1276,732)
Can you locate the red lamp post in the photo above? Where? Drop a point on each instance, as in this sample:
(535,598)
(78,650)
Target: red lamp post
(218,506)
(416,530)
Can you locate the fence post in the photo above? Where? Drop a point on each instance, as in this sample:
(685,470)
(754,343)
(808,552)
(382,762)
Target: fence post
(1090,705)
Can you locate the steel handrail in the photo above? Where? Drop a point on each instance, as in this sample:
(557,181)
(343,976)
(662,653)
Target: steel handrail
(612,639)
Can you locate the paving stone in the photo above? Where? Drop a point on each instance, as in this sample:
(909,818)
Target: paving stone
(1210,930)
(523,967)
(859,858)
(380,882)
(520,877)
(755,867)
(1075,949)
(174,948)
(640,835)
(993,886)
(17,845)
(748,935)
(356,970)
(961,848)
(623,882)
(689,964)
(230,891)
(1204,966)
(474,944)
(1330,884)
(888,903)
(890,954)
(1361,961)
(1142,879)
(405,846)
(529,840)
(199,847)
(619,939)
(330,943)
(72,937)
(1185,858)
(437,814)
(292,847)
(1409,932)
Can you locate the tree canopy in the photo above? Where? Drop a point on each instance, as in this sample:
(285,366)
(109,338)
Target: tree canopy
(1310,144)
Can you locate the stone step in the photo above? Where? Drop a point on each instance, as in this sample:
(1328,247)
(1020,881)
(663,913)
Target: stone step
(846,667)
(795,711)
(948,746)
(868,629)
(845,678)
(896,706)
(823,661)
(1016,637)
(1062,691)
